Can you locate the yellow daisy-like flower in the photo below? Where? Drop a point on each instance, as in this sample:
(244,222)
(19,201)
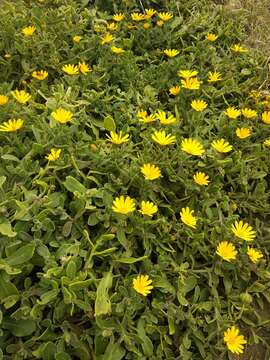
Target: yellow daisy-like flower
(160,23)
(254,255)
(21,96)
(117,50)
(191,83)
(148,208)
(201,178)
(188,218)
(192,147)
(221,146)
(249,113)
(234,341)
(150,172)
(142,284)
(199,105)
(118,17)
(54,154)
(141,113)
(243,133)
(266,117)
(62,116)
(149,13)
(84,68)
(267,142)
(147,118)
(117,139)
(162,138)
(165,16)
(243,231)
(28,31)
(171,52)
(112,26)
(3,100)
(232,112)
(124,205)
(40,74)
(237,48)
(11,125)
(174,90)
(214,76)
(107,38)
(211,37)
(226,250)
(77,38)
(71,69)
(164,120)
(187,74)
(137,16)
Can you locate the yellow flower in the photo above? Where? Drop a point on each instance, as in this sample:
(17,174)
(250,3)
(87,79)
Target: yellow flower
(243,133)
(141,113)
(7,56)
(117,50)
(40,75)
(191,83)
(84,68)
(214,76)
(137,16)
(71,69)
(266,117)
(160,23)
(249,113)
(211,37)
(165,16)
(192,147)
(142,284)
(112,26)
(107,38)
(61,115)
(118,139)
(21,96)
(201,178)
(150,172)
(148,208)
(77,38)
(123,205)
(188,218)
(147,118)
(187,74)
(149,13)
(199,105)
(238,48)
(118,17)
(267,142)
(164,120)
(243,230)
(171,52)
(11,125)
(162,138)
(226,250)
(54,154)
(234,341)
(146,26)
(28,31)
(221,146)
(3,100)
(232,112)
(174,90)
(254,255)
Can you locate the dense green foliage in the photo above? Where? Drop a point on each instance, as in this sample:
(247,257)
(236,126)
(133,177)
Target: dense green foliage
(67,260)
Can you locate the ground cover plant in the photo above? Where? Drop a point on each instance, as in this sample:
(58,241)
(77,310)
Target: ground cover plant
(134,182)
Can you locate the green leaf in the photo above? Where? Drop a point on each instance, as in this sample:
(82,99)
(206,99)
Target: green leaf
(113,352)
(73,185)
(5,228)
(109,123)
(102,303)
(7,288)
(131,260)
(19,327)
(22,255)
